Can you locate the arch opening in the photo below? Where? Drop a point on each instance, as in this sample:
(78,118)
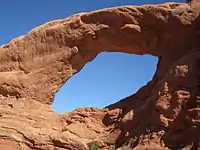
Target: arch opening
(111,76)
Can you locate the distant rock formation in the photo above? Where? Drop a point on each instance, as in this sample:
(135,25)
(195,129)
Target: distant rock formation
(164,114)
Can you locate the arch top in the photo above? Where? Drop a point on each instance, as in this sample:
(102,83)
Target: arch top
(40,62)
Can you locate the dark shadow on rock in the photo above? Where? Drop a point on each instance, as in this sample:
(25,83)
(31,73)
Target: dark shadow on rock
(130,129)
(185,131)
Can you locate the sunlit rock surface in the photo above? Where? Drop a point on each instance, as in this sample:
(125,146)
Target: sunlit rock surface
(165,114)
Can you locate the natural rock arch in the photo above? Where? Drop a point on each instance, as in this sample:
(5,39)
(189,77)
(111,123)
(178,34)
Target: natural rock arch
(34,67)
(53,52)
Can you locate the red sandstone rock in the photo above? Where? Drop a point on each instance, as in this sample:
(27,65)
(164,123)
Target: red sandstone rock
(165,114)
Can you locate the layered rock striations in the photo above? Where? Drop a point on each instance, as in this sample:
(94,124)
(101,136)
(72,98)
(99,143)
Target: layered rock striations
(164,114)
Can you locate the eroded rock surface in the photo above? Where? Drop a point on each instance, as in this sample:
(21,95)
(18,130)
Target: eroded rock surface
(165,114)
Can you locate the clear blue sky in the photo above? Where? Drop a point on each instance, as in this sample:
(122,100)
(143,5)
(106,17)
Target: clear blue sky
(110,77)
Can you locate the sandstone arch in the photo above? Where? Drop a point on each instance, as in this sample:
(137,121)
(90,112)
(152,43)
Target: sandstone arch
(74,41)
(34,67)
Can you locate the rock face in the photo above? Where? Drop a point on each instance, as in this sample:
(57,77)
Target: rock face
(165,114)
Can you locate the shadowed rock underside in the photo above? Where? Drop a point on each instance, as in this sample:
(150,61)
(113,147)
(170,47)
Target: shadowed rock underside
(164,114)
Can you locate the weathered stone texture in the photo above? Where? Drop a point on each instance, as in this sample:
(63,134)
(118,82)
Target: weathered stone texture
(164,114)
